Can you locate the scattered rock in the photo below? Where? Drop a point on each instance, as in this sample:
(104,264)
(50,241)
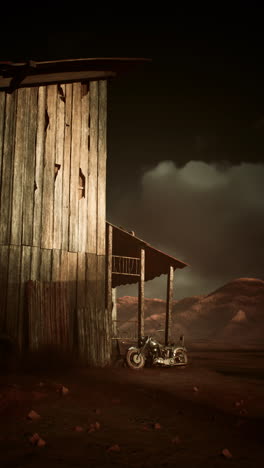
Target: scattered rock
(97,411)
(97,425)
(32,415)
(34,438)
(64,391)
(196,389)
(41,443)
(114,448)
(226,453)
(157,426)
(78,429)
(243,412)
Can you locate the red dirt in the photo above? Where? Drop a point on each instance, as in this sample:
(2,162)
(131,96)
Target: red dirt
(149,418)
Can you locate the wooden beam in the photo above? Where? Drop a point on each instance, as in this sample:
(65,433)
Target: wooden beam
(169,305)
(109,273)
(141,294)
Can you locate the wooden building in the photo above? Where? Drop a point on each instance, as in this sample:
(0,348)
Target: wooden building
(53,254)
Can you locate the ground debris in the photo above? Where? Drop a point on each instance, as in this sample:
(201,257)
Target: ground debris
(33,415)
(114,448)
(79,429)
(196,389)
(176,440)
(226,453)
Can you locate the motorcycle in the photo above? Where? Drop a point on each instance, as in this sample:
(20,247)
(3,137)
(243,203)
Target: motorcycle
(151,352)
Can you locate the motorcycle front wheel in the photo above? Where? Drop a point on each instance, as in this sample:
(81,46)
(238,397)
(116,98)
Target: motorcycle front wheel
(134,359)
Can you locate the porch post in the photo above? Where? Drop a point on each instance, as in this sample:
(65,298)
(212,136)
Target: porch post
(141,294)
(114,313)
(169,305)
(109,277)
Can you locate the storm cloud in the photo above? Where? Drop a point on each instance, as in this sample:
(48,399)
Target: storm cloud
(208,215)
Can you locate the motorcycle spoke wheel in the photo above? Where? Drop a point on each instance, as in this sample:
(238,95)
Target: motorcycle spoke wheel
(135,360)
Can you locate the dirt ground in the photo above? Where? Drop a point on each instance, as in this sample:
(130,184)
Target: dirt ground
(148,418)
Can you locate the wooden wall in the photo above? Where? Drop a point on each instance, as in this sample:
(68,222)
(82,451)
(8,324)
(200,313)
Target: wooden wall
(52,201)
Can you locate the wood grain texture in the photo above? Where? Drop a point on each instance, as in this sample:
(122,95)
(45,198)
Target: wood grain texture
(22,311)
(45,265)
(74,169)
(7,168)
(101,167)
(29,168)
(4,254)
(48,173)
(13,291)
(19,170)
(59,151)
(35,263)
(92,178)
(2,126)
(66,167)
(84,167)
(39,165)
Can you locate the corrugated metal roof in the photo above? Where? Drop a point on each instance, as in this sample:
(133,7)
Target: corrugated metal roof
(156,262)
(32,73)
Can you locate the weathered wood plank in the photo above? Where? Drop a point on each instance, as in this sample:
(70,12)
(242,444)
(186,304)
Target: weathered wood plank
(66,167)
(75,168)
(64,265)
(35,263)
(13,291)
(103,337)
(24,277)
(39,165)
(109,257)
(141,295)
(72,288)
(45,265)
(81,280)
(56,265)
(92,178)
(2,122)
(4,253)
(49,170)
(21,149)
(84,160)
(101,176)
(169,305)
(7,168)
(91,322)
(59,150)
(29,168)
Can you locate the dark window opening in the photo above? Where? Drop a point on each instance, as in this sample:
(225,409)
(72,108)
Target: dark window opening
(81,187)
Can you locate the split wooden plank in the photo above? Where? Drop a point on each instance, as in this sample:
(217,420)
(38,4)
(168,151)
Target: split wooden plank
(92,178)
(81,280)
(66,167)
(23,314)
(29,168)
(21,149)
(39,165)
(59,150)
(35,263)
(7,168)
(84,167)
(13,291)
(2,126)
(101,176)
(56,265)
(74,169)
(91,322)
(49,170)
(4,253)
(45,265)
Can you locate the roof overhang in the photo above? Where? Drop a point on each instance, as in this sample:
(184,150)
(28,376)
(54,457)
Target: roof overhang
(32,73)
(156,262)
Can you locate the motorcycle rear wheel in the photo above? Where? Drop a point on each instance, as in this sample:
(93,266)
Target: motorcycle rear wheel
(134,359)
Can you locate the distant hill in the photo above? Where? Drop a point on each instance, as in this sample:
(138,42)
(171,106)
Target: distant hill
(233,315)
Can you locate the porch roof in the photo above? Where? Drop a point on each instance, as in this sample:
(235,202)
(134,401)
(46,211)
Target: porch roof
(156,262)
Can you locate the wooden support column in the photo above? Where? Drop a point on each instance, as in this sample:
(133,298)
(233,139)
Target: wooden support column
(169,305)
(109,275)
(114,313)
(141,294)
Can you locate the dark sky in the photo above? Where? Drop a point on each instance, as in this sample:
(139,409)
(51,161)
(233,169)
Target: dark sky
(185,136)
